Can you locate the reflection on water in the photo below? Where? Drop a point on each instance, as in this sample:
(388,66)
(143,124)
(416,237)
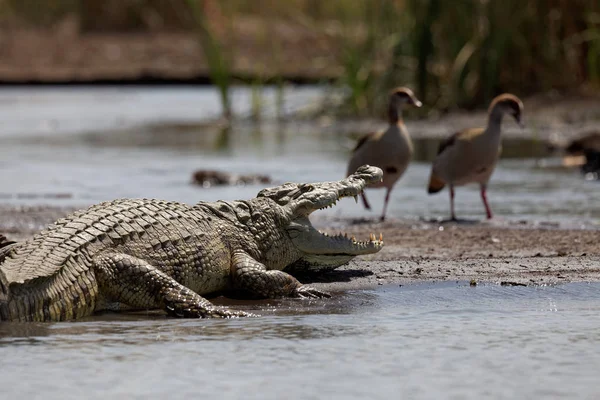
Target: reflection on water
(429,341)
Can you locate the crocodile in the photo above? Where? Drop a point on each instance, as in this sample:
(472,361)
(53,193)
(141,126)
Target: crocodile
(141,254)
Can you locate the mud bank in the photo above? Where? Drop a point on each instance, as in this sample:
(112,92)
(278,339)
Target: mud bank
(503,252)
(498,251)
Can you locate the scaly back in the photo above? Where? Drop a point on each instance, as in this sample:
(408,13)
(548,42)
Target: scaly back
(67,241)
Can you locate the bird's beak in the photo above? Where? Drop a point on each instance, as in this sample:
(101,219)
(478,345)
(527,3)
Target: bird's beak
(416,102)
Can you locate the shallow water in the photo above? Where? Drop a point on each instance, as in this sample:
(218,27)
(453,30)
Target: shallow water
(79,146)
(418,341)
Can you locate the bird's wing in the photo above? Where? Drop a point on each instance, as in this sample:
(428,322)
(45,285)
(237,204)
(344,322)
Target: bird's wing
(363,139)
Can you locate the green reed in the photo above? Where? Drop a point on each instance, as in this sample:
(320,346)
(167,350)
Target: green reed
(217,59)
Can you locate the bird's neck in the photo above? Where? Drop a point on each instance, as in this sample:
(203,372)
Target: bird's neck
(394,114)
(495,120)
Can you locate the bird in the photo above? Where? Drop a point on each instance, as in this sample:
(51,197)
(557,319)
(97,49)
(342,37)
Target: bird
(471,155)
(390,149)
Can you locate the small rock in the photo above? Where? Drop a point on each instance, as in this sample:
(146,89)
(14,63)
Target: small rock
(208,178)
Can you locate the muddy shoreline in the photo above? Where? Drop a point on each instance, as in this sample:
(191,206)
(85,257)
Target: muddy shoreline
(498,251)
(501,252)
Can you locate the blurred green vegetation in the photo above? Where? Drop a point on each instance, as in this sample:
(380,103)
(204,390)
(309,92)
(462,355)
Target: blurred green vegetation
(452,52)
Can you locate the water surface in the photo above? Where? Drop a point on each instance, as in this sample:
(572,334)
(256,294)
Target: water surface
(419,341)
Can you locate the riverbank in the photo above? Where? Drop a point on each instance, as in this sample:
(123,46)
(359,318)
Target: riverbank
(502,252)
(499,251)
(63,55)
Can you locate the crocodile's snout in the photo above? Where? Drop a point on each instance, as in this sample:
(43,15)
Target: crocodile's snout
(369,173)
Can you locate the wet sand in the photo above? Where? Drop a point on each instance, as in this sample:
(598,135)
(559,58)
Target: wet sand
(497,251)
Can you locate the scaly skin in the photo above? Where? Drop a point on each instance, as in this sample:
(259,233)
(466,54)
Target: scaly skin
(152,254)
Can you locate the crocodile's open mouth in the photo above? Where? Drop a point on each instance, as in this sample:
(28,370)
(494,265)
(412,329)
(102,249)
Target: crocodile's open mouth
(301,200)
(315,242)
(324,251)
(327,195)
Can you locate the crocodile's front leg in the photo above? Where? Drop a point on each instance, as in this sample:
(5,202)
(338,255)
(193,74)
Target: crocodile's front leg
(254,277)
(134,282)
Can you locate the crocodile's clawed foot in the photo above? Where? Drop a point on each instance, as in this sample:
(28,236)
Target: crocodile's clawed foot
(207,313)
(227,313)
(306,291)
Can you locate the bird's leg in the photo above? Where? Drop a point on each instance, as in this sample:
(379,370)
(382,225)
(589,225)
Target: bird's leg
(385,204)
(452,215)
(365,201)
(488,211)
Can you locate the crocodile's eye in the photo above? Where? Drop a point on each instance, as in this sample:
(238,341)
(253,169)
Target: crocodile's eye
(307,188)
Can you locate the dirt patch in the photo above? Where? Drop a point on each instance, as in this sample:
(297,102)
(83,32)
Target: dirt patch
(504,252)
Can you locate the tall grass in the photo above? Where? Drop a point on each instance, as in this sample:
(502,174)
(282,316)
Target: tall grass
(218,61)
(463,52)
(366,37)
